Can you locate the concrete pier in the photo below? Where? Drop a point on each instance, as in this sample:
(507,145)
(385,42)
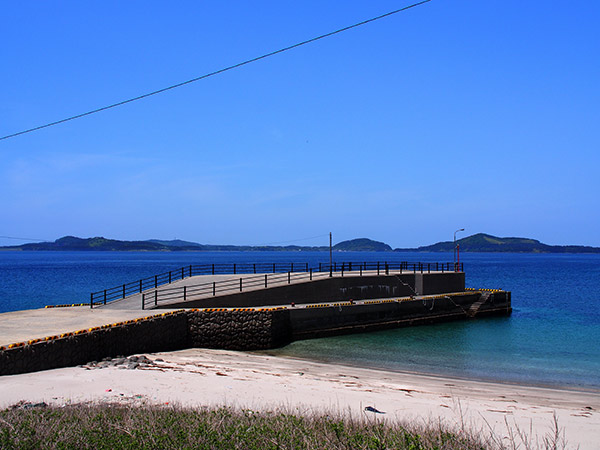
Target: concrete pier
(243,317)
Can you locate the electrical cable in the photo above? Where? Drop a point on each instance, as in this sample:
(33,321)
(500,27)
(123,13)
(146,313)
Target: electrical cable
(217,72)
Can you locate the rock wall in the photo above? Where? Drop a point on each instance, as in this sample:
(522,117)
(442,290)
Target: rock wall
(242,329)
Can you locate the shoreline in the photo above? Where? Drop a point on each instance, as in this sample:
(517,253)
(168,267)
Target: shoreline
(451,376)
(201,377)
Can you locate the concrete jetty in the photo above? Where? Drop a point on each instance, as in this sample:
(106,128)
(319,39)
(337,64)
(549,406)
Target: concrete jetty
(238,312)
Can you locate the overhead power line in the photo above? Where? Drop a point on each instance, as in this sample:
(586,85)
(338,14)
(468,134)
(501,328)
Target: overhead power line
(235,66)
(289,242)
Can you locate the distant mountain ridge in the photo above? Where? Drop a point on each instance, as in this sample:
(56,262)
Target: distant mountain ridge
(479,242)
(72,243)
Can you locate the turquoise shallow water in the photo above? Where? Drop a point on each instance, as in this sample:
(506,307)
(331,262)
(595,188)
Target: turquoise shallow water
(552,338)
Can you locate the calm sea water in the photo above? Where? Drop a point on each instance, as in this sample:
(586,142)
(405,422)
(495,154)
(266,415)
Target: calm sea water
(552,338)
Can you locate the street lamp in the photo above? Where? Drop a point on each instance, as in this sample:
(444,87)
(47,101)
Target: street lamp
(457,231)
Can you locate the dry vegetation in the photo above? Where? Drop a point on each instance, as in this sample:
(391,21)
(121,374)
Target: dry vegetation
(153,427)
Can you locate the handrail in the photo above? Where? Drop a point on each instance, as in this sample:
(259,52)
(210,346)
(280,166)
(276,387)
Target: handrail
(138,286)
(211,289)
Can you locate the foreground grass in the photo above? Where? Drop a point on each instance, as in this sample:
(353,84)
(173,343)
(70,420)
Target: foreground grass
(121,427)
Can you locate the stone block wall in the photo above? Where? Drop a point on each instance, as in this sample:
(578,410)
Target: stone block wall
(243,329)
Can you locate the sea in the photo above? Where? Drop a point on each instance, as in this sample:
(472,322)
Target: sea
(551,339)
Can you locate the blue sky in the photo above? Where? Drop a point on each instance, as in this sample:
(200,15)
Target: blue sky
(481,115)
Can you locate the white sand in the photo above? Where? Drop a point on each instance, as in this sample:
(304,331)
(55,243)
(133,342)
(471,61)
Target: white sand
(199,377)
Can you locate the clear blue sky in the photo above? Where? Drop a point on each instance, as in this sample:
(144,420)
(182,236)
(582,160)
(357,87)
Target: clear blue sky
(483,115)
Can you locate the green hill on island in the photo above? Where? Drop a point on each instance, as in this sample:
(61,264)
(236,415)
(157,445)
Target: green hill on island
(481,242)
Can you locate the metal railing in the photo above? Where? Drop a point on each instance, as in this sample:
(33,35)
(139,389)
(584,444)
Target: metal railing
(139,286)
(265,280)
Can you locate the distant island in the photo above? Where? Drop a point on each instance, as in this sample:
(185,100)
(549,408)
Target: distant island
(476,243)
(71,243)
(481,242)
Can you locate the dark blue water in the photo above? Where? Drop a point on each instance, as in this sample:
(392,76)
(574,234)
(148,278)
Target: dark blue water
(552,338)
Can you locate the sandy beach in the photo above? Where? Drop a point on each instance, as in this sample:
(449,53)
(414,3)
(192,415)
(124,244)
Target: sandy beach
(200,377)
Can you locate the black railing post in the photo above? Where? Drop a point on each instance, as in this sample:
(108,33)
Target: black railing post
(190,271)
(105,296)
(140,286)
(265,280)
(254,267)
(143,300)
(311,274)
(214,288)
(442,267)
(377,268)
(361,270)
(155,281)
(319,267)
(307,267)
(184,293)
(234,270)
(213,269)
(428,269)
(349,267)
(240,284)
(155,298)
(387,269)
(182,274)
(123,291)
(289,278)
(343,269)
(169,277)
(291,267)
(273,267)
(91,300)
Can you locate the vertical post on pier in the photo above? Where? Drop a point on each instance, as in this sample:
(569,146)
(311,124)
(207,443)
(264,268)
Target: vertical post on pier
(214,288)
(240,284)
(155,281)
(140,286)
(105,296)
(213,269)
(273,267)
(330,254)
(377,268)
(428,268)
(234,269)
(311,274)
(361,270)
(254,265)
(289,278)
(387,269)
(265,280)
(143,300)
(184,293)
(91,300)
(155,298)
(123,291)
(169,277)
(307,267)
(343,268)
(190,271)
(182,274)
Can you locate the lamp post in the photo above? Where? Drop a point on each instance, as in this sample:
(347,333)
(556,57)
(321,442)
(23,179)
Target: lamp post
(457,231)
